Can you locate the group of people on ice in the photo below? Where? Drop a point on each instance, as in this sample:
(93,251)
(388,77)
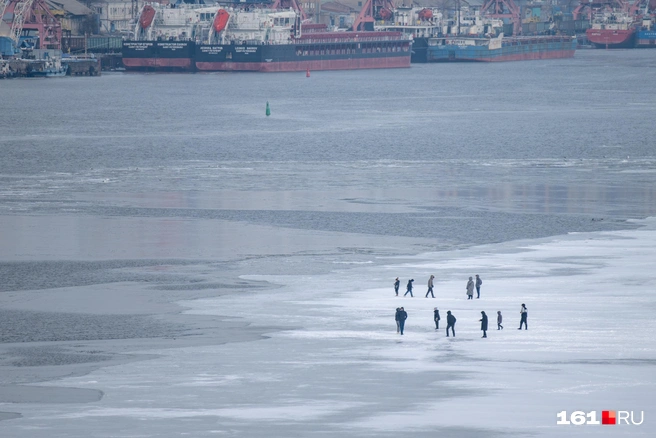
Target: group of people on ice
(471,284)
(401,315)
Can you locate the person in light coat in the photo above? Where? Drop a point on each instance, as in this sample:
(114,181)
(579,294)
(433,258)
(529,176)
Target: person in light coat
(470,289)
(396,317)
(430,286)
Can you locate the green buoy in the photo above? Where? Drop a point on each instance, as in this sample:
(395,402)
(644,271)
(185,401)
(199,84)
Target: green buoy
(268,110)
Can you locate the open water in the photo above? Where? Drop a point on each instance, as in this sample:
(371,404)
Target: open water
(448,155)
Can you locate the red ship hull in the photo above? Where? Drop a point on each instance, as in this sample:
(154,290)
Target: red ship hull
(336,64)
(611,39)
(180,64)
(555,54)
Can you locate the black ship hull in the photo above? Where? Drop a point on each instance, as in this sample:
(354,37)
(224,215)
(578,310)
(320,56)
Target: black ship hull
(300,57)
(158,55)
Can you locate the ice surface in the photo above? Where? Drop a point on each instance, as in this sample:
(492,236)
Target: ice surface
(337,367)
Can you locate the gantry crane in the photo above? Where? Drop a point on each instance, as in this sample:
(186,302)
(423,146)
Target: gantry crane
(35,15)
(370,9)
(504,9)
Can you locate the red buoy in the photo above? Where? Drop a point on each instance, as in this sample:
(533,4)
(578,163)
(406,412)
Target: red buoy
(307,73)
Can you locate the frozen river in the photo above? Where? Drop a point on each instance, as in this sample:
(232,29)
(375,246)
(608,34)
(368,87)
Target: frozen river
(174,263)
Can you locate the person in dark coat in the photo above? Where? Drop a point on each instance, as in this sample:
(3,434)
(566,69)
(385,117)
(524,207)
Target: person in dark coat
(396,317)
(450,323)
(430,286)
(499,320)
(479,282)
(409,287)
(436,318)
(484,324)
(402,317)
(524,313)
(397,283)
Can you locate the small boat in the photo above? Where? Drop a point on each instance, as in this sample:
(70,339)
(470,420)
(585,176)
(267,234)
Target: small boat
(48,68)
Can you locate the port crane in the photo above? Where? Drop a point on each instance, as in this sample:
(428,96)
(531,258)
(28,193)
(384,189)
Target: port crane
(371,9)
(21,10)
(3,8)
(504,9)
(35,15)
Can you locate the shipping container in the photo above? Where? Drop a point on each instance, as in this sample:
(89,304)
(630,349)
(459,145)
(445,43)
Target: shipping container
(94,44)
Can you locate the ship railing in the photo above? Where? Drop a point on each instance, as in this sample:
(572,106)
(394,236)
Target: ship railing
(350,36)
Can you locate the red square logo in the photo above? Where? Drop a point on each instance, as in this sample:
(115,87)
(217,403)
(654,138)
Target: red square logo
(607,417)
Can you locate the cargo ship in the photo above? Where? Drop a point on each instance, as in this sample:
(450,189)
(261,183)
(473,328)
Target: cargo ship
(499,48)
(165,37)
(612,30)
(271,40)
(481,39)
(475,38)
(645,36)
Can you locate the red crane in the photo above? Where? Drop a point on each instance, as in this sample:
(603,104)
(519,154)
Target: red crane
(504,9)
(34,15)
(371,9)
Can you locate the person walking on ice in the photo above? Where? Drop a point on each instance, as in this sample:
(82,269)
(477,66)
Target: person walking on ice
(396,317)
(409,287)
(478,286)
(524,313)
(499,320)
(470,289)
(430,286)
(402,317)
(397,283)
(436,318)
(484,323)
(450,323)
